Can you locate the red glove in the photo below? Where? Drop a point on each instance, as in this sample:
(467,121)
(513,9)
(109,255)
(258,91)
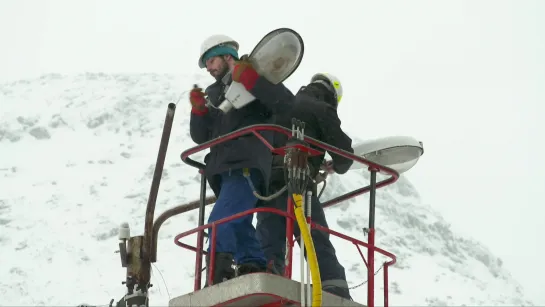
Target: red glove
(198,102)
(244,73)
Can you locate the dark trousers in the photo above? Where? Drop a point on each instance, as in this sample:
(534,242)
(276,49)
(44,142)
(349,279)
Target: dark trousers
(237,237)
(271,231)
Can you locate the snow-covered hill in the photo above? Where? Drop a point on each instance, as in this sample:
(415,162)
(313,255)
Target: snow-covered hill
(76,158)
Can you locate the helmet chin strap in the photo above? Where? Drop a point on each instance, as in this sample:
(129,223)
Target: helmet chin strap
(327,85)
(321,90)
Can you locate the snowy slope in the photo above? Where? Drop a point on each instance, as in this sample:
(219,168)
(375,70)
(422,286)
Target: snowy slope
(76,158)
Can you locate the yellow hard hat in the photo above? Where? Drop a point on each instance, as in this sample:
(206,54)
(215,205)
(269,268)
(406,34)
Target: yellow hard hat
(333,81)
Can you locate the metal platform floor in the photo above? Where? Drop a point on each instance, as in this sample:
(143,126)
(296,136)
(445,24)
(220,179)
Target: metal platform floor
(253,290)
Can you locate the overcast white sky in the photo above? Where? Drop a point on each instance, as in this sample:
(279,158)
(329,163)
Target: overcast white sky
(465,77)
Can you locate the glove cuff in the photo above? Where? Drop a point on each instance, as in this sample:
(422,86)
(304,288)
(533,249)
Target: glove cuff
(199,112)
(247,76)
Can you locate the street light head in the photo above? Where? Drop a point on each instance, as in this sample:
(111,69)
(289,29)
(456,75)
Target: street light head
(400,153)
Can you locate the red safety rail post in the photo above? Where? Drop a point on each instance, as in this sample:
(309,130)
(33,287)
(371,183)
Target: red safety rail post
(255,129)
(289,240)
(200,236)
(214,225)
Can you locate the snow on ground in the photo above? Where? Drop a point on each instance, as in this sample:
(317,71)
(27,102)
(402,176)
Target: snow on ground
(76,158)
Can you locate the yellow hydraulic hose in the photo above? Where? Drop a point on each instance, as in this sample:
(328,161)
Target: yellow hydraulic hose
(311,253)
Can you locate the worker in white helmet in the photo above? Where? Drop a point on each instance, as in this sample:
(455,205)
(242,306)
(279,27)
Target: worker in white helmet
(237,167)
(316,105)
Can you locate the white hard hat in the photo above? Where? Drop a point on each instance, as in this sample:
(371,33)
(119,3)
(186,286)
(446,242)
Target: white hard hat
(218,40)
(333,81)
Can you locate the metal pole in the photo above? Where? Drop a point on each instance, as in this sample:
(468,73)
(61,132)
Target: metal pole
(157,174)
(385,286)
(371,248)
(308,208)
(372,197)
(200,235)
(302,262)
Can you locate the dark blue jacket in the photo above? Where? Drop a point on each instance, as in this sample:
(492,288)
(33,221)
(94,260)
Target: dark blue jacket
(246,151)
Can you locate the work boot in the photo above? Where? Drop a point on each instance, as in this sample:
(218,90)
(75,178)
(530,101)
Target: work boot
(223,268)
(338,291)
(250,267)
(271,268)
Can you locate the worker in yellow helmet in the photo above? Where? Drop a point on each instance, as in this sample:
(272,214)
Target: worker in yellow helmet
(316,105)
(333,86)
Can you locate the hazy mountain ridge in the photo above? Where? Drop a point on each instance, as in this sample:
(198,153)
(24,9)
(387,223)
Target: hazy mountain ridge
(77,156)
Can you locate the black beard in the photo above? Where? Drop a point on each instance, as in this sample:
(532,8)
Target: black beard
(223,72)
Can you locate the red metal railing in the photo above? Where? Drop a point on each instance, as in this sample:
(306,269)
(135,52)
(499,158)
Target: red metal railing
(255,129)
(214,225)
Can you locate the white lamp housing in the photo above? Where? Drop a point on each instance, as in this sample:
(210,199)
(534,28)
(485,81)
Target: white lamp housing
(275,57)
(396,152)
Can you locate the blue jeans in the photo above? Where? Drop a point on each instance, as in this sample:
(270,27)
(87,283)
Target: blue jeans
(237,237)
